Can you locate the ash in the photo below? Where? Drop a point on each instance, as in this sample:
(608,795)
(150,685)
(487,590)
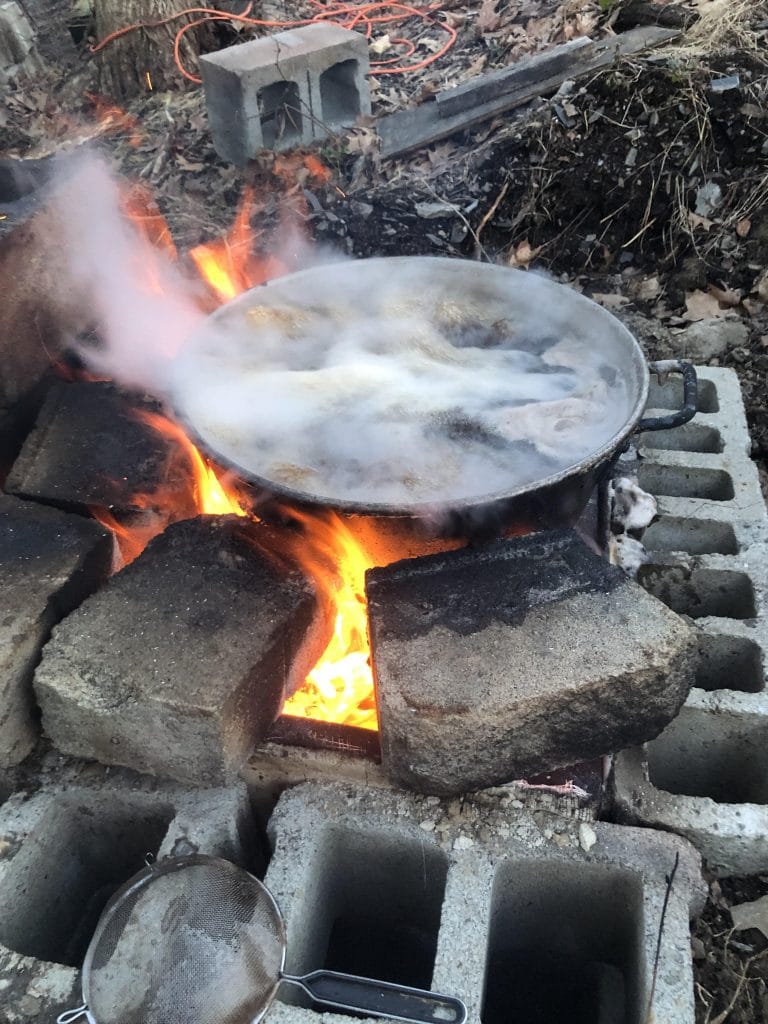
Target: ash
(632,511)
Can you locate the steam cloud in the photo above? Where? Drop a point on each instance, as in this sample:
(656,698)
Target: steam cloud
(404,383)
(142,306)
(421,385)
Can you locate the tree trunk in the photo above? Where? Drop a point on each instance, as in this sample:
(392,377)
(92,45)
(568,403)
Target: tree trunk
(125,62)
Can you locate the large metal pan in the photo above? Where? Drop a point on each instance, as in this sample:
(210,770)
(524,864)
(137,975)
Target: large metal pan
(554,499)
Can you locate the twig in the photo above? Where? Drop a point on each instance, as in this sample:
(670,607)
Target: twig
(488,215)
(722,1017)
(670,882)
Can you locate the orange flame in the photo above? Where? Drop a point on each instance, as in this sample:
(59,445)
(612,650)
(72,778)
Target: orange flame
(213,496)
(112,118)
(340,688)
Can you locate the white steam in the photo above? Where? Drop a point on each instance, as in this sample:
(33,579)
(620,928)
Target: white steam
(142,307)
(404,382)
(416,383)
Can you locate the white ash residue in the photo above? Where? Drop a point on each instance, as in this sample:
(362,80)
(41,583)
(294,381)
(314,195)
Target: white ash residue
(632,512)
(632,508)
(628,553)
(405,382)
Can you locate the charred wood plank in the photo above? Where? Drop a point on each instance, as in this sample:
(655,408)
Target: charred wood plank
(529,71)
(411,129)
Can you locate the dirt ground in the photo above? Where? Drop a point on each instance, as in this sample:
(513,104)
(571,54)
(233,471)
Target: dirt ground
(644,186)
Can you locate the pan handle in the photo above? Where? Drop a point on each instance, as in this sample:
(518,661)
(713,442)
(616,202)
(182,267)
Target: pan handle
(690,395)
(380,998)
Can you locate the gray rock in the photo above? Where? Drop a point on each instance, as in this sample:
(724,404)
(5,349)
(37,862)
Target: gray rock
(180,664)
(710,339)
(50,562)
(498,663)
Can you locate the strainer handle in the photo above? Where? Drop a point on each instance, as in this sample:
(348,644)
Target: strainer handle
(380,998)
(72,1015)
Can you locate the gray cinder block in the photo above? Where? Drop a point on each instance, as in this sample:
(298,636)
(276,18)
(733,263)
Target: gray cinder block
(65,850)
(285,90)
(706,776)
(476,898)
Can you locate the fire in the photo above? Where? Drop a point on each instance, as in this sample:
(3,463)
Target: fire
(229,265)
(340,687)
(211,495)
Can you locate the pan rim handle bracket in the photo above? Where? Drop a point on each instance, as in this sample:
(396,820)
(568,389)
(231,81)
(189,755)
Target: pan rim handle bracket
(662,368)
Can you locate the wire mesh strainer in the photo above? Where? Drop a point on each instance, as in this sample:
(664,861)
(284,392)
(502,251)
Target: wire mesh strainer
(196,940)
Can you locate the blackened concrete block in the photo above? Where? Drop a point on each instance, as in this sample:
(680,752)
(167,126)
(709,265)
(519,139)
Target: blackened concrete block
(285,90)
(89,447)
(49,562)
(181,663)
(494,664)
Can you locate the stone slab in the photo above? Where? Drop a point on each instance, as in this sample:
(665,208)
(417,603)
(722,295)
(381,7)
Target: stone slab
(89,447)
(705,776)
(49,563)
(495,664)
(180,664)
(66,848)
(285,90)
(465,893)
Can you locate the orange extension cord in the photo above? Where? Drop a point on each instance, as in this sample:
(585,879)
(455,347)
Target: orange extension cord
(351,16)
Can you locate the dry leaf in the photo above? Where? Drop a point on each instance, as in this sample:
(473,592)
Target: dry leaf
(751,915)
(487,19)
(647,288)
(725,296)
(761,286)
(701,305)
(610,300)
(523,254)
(380,45)
(698,222)
(744,227)
(187,165)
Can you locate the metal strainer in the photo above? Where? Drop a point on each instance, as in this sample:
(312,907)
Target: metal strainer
(196,940)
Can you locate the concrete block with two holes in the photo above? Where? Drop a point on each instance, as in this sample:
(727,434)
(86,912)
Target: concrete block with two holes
(285,90)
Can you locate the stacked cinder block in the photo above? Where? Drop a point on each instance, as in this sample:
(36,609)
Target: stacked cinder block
(479,899)
(706,776)
(65,850)
(285,90)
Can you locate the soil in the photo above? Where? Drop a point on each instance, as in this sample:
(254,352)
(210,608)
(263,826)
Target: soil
(644,186)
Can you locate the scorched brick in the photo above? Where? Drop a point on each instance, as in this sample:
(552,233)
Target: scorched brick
(90,448)
(49,562)
(180,664)
(498,663)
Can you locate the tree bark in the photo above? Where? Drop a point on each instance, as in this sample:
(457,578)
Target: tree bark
(125,62)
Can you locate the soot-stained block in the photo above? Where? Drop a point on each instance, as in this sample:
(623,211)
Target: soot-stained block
(496,663)
(179,665)
(49,562)
(90,447)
